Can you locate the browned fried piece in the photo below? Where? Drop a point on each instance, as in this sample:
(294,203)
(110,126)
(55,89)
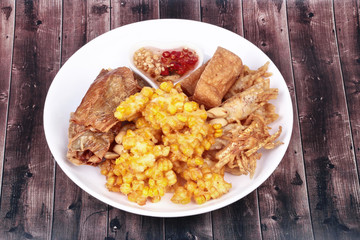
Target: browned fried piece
(104,95)
(219,75)
(188,84)
(247,79)
(93,126)
(86,146)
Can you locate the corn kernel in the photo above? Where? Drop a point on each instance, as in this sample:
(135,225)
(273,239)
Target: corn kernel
(128,178)
(125,188)
(147,92)
(190,106)
(181,117)
(111,180)
(172,109)
(218,134)
(151,183)
(200,199)
(166,86)
(217,126)
(206,144)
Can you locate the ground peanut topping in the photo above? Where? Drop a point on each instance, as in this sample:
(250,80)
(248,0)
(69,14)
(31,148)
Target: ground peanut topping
(163,66)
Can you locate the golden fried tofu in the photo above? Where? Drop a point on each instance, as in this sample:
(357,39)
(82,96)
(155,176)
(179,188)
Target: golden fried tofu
(218,76)
(188,85)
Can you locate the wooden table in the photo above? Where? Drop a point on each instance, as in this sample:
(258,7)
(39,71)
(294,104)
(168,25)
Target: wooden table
(313,194)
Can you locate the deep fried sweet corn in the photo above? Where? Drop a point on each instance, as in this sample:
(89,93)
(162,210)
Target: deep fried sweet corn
(164,151)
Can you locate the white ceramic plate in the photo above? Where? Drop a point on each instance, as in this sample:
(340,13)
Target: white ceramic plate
(110,50)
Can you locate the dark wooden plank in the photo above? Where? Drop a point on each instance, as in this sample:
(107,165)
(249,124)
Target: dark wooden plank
(125,12)
(7,16)
(27,197)
(122,224)
(332,179)
(98,18)
(241,219)
(348,35)
(194,227)
(76,212)
(74,30)
(283,199)
(189,9)
(225,14)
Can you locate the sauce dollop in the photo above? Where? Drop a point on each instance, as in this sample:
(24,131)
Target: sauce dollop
(165,65)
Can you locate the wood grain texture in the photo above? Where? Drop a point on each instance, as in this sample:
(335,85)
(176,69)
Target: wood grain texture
(74,27)
(225,14)
(239,220)
(75,211)
(27,192)
(194,227)
(189,9)
(7,19)
(347,22)
(98,18)
(283,199)
(332,178)
(123,225)
(125,12)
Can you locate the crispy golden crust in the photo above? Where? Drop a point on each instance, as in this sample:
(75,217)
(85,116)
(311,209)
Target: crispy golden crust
(188,85)
(104,95)
(93,126)
(219,75)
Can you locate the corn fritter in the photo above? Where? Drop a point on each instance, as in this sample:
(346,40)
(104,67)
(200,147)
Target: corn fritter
(164,151)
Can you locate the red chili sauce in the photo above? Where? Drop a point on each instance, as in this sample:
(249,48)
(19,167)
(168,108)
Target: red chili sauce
(168,65)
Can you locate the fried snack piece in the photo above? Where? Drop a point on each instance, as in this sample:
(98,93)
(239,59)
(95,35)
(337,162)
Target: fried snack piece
(164,151)
(219,75)
(86,146)
(244,117)
(243,104)
(239,155)
(188,85)
(247,79)
(104,95)
(93,126)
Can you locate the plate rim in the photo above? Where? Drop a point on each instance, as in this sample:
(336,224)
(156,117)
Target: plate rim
(145,212)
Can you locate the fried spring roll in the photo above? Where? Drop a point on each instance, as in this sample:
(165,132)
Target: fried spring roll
(93,125)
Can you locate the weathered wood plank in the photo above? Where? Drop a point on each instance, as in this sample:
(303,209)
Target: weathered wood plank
(332,179)
(283,199)
(122,224)
(348,35)
(27,197)
(76,212)
(98,18)
(194,227)
(7,16)
(189,9)
(225,14)
(241,219)
(74,30)
(125,12)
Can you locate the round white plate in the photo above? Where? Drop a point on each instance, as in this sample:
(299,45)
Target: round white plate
(110,50)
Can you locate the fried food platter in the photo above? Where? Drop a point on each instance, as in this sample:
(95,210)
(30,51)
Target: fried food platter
(112,50)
